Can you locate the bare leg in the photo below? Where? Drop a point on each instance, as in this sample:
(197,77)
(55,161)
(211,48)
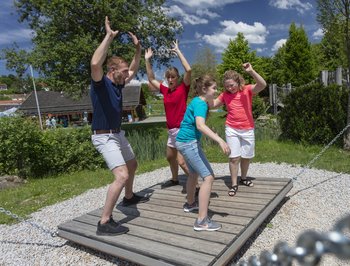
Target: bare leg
(244,167)
(191,188)
(120,179)
(171,156)
(204,197)
(234,165)
(132,166)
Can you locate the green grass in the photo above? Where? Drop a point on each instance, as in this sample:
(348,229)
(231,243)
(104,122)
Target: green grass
(38,193)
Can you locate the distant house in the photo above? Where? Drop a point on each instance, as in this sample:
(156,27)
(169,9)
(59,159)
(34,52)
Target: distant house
(3,87)
(13,101)
(62,107)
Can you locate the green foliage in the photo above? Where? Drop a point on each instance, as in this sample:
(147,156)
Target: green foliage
(29,152)
(205,63)
(67,33)
(22,146)
(314,114)
(334,17)
(237,53)
(4,98)
(259,107)
(299,66)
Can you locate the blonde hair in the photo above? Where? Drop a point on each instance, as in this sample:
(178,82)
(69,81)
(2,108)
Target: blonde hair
(115,61)
(170,71)
(203,83)
(231,74)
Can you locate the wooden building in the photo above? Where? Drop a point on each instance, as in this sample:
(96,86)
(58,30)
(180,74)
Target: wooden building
(79,111)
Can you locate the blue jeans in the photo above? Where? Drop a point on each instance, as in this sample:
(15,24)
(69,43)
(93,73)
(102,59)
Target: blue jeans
(195,158)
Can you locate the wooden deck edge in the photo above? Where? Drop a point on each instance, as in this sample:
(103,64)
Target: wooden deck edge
(112,250)
(251,228)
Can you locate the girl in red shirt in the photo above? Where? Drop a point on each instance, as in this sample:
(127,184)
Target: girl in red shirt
(175,102)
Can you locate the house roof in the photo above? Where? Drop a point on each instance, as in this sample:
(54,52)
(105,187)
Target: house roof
(53,102)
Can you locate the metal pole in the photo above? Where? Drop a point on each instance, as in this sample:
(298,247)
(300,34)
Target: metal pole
(36,98)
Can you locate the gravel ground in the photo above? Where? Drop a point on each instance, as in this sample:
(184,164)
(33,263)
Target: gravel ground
(317,200)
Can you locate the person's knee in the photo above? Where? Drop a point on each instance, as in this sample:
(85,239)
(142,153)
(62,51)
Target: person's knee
(121,175)
(209,179)
(235,160)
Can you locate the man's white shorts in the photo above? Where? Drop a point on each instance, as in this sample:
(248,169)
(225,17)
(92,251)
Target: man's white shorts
(114,148)
(241,142)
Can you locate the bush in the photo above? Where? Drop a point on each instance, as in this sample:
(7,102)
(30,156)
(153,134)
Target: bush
(314,114)
(27,151)
(259,106)
(21,148)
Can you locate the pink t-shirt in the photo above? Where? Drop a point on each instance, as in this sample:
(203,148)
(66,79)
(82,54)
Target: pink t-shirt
(175,104)
(239,108)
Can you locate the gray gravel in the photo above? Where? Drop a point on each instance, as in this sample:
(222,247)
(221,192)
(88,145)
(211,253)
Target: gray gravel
(318,199)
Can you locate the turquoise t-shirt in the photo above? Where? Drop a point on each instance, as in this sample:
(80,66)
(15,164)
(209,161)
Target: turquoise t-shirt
(188,130)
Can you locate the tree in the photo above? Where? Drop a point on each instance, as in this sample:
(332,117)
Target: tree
(335,14)
(299,68)
(204,63)
(67,32)
(237,53)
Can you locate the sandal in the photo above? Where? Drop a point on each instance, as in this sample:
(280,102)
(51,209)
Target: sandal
(233,191)
(246,182)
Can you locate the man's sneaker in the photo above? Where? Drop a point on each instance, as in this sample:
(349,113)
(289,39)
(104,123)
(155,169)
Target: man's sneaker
(111,228)
(191,207)
(134,200)
(206,225)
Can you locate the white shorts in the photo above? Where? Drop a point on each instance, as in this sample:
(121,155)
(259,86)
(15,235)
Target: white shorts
(115,148)
(241,142)
(172,133)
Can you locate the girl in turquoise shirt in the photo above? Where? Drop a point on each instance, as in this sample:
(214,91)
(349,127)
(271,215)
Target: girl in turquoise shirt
(188,144)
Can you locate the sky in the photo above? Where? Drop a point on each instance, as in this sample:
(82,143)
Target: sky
(206,23)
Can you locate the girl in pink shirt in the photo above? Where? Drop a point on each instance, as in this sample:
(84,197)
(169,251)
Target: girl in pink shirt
(239,126)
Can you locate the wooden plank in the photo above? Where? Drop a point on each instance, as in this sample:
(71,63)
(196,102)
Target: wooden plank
(148,249)
(161,233)
(222,236)
(251,228)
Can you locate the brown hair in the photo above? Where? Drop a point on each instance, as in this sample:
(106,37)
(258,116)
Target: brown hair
(231,74)
(115,61)
(203,83)
(171,70)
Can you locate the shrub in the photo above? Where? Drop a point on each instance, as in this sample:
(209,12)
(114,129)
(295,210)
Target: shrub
(21,147)
(314,114)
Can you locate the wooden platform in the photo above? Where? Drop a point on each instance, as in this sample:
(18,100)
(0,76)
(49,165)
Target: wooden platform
(161,233)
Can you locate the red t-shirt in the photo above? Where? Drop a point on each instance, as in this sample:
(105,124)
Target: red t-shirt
(175,104)
(239,108)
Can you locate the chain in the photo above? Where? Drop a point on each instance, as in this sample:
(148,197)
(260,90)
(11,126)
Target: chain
(37,226)
(311,246)
(320,154)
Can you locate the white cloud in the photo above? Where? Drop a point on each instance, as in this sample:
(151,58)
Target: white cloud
(207,3)
(18,36)
(318,34)
(206,12)
(254,34)
(176,11)
(278,44)
(291,4)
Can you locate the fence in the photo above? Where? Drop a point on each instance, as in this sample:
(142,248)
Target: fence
(277,94)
